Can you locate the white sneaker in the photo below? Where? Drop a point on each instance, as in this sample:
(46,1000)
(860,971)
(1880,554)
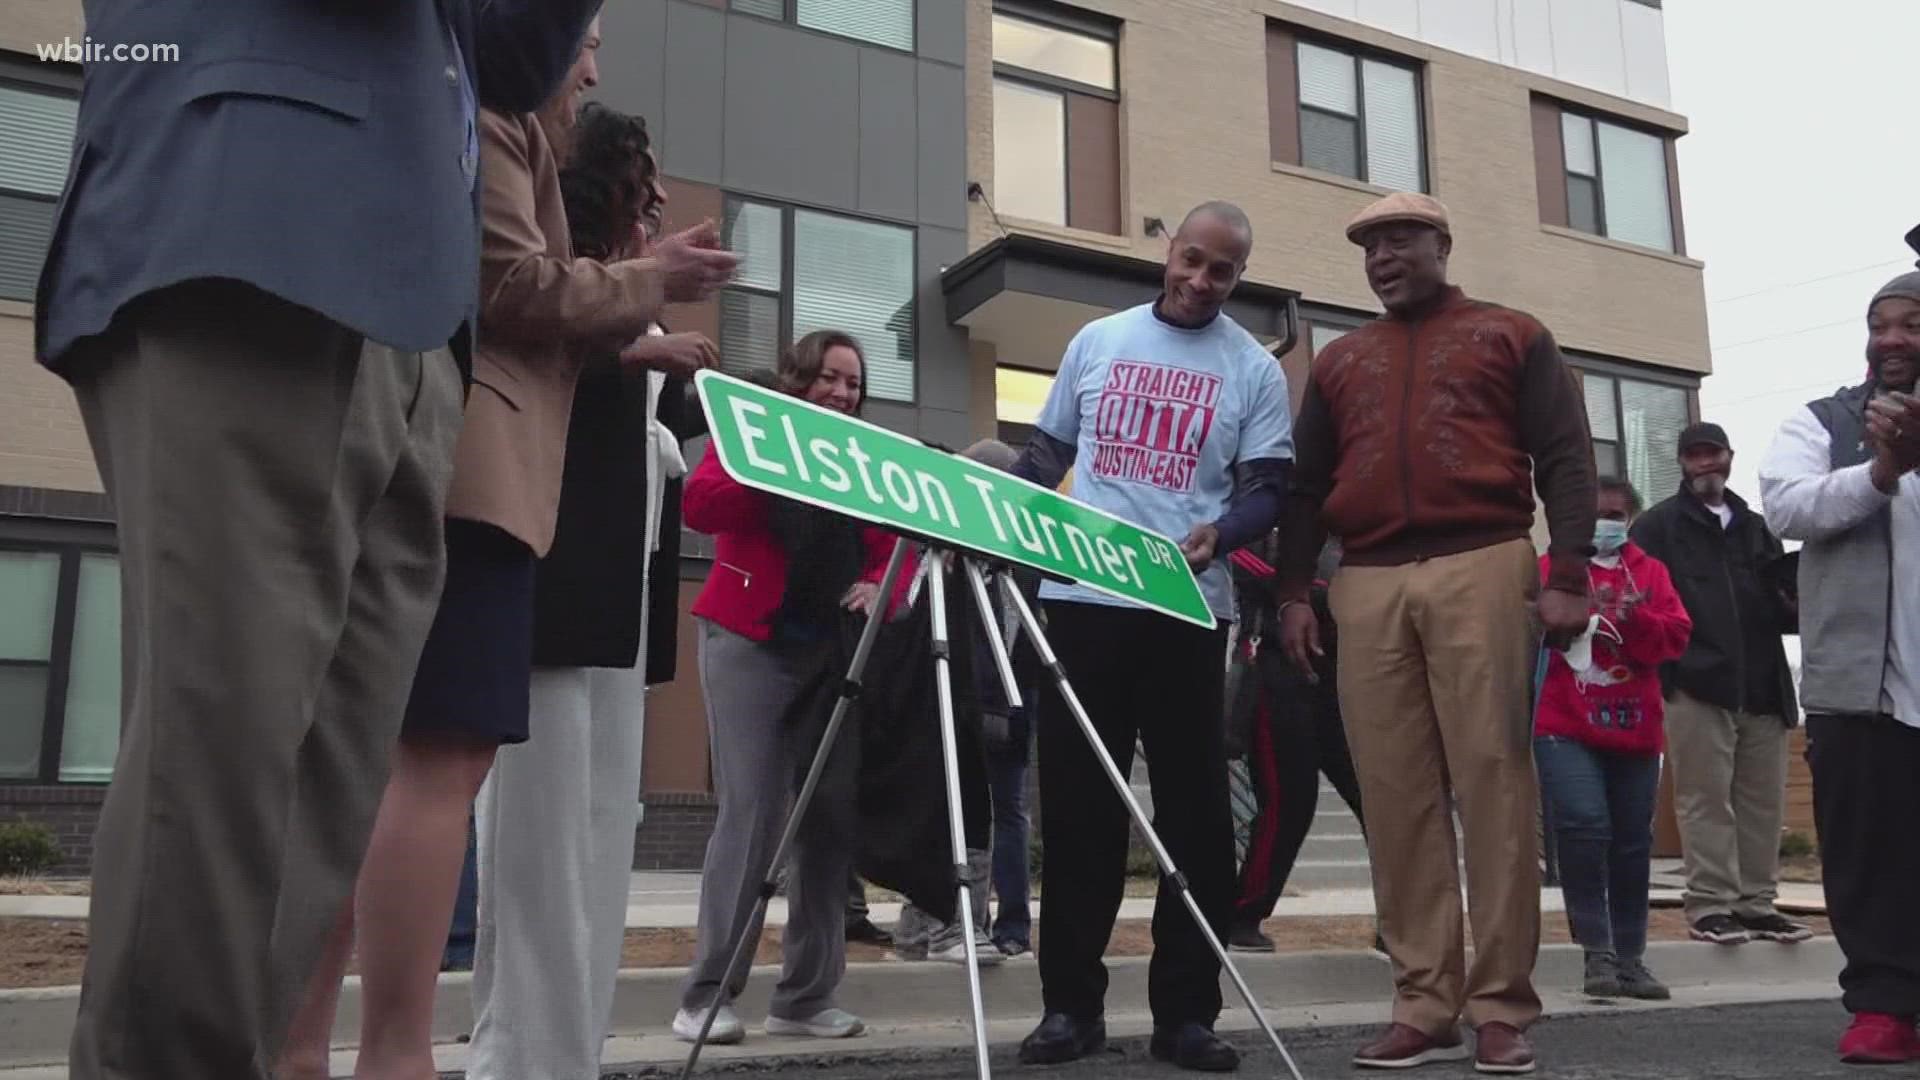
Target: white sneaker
(727,1028)
(826,1024)
(956,953)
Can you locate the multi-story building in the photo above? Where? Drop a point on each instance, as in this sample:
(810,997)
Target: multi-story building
(963,184)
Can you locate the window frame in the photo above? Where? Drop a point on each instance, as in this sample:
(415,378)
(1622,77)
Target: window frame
(1359,53)
(787,208)
(61,79)
(1562,176)
(71,540)
(790,16)
(1620,373)
(1072,22)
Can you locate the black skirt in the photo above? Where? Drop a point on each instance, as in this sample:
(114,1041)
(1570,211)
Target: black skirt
(476,670)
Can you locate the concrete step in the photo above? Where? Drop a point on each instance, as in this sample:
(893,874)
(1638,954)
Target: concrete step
(1331,846)
(1313,875)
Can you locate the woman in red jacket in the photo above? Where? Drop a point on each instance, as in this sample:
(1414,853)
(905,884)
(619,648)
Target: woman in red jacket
(783,573)
(1598,738)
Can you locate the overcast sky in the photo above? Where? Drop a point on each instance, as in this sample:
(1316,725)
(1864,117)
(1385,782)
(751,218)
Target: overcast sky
(1799,178)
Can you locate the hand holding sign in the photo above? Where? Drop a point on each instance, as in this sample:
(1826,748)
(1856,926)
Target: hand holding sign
(1199,546)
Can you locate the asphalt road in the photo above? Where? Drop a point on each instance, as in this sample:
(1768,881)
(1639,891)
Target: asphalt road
(1745,1042)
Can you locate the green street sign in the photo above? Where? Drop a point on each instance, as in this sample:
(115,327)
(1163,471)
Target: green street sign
(777,443)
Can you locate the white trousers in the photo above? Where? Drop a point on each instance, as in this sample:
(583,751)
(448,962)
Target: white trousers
(555,823)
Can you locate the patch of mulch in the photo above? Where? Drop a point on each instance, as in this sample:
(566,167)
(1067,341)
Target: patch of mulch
(51,952)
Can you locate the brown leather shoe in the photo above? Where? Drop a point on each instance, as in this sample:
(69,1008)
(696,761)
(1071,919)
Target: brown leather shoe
(1403,1047)
(1501,1049)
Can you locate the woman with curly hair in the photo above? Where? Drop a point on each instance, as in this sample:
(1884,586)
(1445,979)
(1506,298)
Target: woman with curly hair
(557,816)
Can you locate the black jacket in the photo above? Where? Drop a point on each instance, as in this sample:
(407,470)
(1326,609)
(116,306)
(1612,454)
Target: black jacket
(586,602)
(1736,659)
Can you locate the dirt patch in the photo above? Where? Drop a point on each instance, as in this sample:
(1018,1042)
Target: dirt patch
(13,885)
(1801,869)
(51,952)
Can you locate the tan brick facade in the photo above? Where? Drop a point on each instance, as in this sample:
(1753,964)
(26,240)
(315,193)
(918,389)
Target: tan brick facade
(1193,107)
(42,443)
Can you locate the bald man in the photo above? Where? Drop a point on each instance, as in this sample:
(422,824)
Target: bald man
(1154,411)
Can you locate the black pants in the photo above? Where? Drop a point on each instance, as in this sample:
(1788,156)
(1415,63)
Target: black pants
(1141,674)
(1866,799)
(1297,737)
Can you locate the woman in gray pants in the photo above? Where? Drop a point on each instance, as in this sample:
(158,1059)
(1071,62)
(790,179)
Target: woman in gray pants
(783,574)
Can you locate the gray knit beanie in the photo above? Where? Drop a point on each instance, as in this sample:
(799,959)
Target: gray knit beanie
(995,454)
(1906,286)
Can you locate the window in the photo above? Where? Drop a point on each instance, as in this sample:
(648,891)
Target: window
(1335,109)
(1056,117)
(36,143)
(1325,334)
(1636,431)
(881,22)
(1605,178)
(59,664)
(803,270)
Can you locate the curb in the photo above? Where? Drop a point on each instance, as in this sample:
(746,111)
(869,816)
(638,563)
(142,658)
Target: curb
(35,1025)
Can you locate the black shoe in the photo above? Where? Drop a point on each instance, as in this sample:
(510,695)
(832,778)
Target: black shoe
(1720,930)
(1603,976)
(1195,1048)
(1246,937)
(864,932)
(1637,982)
(1060,1039)
(1774,927)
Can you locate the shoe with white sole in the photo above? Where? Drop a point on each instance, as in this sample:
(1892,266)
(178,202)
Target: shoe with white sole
(826,1024)
(727,1028)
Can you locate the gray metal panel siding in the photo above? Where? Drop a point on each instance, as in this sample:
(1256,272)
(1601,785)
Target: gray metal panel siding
(792,113)
(944,381)
(632,64)
(889,170)
(695,65)
(943,145)
(942,30)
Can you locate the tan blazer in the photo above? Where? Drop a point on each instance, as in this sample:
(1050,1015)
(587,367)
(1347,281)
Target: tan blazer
(541,312)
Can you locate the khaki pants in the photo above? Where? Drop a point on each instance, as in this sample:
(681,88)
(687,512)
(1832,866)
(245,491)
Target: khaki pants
(1436,666)
(278,484)
(1729,794)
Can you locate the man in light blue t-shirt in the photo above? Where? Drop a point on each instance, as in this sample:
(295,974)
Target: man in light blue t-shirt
(1173,417)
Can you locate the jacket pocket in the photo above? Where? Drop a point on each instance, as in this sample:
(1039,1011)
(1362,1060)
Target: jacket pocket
(489,374)
(348,99)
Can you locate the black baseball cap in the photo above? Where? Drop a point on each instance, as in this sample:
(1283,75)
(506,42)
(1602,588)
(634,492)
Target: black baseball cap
(1704,434)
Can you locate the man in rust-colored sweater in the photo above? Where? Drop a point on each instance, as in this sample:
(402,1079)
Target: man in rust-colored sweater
(1420,442)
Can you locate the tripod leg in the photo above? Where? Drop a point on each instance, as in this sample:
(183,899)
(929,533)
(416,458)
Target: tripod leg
(956,830)
(737,960)
(990,622)
(1051,662)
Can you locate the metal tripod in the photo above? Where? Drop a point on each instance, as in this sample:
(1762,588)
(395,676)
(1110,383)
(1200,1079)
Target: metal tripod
(936,571)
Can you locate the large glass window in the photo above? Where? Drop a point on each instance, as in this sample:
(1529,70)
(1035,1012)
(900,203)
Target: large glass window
(1055,116)
(881,22)
(1360,116)
(1636,431)
(1616,181)
(804,270)
(59,664)
(36,144)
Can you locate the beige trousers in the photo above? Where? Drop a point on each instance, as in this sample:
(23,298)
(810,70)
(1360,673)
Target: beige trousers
(1436,664)
(1729,796)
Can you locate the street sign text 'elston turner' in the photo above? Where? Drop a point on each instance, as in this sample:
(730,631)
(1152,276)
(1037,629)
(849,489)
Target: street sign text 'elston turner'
(778,443)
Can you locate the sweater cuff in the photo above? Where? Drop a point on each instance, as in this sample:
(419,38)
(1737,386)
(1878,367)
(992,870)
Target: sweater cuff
(1567,572)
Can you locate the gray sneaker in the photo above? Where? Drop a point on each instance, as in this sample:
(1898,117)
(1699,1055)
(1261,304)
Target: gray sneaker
(1637,982)
(1603,976)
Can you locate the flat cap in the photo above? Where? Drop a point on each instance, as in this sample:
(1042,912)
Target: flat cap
(1401,206)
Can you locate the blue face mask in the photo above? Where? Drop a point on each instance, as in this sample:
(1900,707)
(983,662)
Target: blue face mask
(1609,536)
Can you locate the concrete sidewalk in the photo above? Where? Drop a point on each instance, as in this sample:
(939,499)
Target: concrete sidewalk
(669,899)
(919,1004)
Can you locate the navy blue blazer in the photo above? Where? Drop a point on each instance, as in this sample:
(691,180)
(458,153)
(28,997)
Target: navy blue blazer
(312,149)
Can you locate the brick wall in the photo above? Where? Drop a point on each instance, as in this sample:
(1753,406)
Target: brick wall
(69,810)
(1193,119)
(673,833)
(42,442)
(1799,786)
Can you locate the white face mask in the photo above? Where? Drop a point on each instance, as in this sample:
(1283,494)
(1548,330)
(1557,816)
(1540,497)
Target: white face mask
(1609,536)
